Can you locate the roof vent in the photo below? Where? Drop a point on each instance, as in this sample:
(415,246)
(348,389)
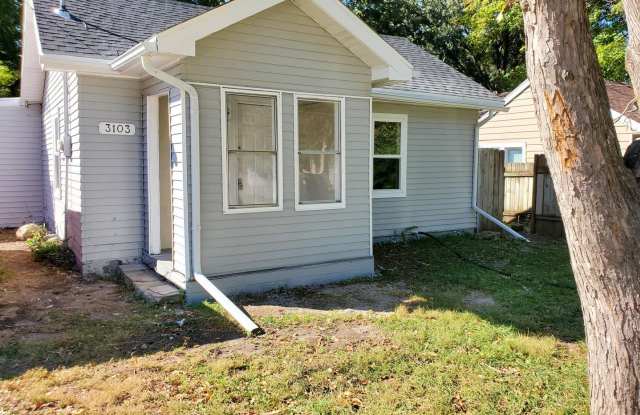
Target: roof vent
(64,13)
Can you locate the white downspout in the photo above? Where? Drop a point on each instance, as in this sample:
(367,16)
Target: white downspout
(194,107)
(474,202)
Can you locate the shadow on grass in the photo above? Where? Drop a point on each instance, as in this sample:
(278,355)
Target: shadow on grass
(71,339)
(536,296)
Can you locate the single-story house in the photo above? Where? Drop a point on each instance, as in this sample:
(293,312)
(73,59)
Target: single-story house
(259,144)
(516,130)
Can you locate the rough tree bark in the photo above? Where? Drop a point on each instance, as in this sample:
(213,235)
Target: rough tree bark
(598,197)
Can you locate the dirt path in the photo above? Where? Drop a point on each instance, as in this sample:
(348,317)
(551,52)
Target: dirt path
(30,292)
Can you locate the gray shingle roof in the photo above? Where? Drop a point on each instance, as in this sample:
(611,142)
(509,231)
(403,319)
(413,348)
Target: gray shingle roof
(432,76)
(125,23)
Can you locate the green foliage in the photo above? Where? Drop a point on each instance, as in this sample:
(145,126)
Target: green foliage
(609,31)
(496,40)
(8,81)
(51,251)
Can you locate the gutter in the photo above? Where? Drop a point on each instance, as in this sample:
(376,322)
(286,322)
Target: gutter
(194,107)
(474,201)
(423,98)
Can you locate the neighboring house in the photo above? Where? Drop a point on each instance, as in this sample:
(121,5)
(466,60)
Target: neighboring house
(259,144)
(516,130)
(21,184)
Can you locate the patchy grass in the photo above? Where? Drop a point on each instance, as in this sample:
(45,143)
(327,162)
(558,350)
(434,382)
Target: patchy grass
(458,338)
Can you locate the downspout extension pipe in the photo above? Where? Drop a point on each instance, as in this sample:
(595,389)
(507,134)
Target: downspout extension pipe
(194,109)
(474,202)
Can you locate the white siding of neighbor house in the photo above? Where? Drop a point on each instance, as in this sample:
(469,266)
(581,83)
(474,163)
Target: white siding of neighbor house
(21,198)
(64,223)
(520,125)
(439,172)
(113,209)
(280,48)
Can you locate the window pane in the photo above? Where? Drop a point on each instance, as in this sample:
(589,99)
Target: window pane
(514,155)
(252,179)
(319,178)
(251,123)
(318,125)
(387,138)
(386,174)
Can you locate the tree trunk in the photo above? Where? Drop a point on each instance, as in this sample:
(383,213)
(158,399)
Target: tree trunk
(598,197)
(632,15)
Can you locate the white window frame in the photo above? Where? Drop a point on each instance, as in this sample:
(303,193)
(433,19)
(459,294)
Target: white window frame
(343,153)
(279,151)
(403,119)
(504,145)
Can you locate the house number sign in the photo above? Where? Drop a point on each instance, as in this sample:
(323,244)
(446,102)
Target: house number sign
(116,128)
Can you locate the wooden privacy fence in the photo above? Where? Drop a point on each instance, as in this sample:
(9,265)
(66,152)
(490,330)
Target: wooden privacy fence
(490,186)
(518,190)
(546,219)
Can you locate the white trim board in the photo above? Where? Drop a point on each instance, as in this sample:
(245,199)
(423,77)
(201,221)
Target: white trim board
(343,154)
(403,119)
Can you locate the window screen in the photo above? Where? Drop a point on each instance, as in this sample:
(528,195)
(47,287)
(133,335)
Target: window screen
(252,151)
(387,155)
(319,152)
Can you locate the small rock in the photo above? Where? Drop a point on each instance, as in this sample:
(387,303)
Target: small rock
(27,231)
(52,237)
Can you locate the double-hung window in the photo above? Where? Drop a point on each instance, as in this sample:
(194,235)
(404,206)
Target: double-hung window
(319,126)
(252,153)
(390,155)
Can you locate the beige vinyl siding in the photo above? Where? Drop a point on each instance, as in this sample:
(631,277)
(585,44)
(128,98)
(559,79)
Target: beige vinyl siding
(112,172)
(258,241)
(439,172)
(21,189)
(70,189)
(280,48)
(520,125)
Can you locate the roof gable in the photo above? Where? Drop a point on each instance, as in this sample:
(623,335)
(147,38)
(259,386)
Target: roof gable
(180,40)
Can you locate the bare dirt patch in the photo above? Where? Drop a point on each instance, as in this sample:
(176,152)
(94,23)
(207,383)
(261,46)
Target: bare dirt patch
(375,297)
(31,292)
(478,299)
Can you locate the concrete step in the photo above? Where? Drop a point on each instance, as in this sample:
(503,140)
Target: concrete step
(149,285)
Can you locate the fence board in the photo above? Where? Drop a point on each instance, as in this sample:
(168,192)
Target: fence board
(491,185)
(546,218)
(518,188)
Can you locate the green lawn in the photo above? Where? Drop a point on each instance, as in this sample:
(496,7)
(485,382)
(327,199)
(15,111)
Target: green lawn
(466,339)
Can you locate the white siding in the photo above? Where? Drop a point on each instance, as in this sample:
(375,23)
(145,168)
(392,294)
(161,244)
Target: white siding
(65,224)
(112,173)
(280,48)
(260,241)
(21,199)
(439,172)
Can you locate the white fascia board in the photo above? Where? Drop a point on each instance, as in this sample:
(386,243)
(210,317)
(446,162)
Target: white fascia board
(634,125)
(181,39)
(516,92)
(31,74)
(357,36)
(422,98)
(11,102)
(92,66)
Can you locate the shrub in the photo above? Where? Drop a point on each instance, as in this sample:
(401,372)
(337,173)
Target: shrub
(50,250)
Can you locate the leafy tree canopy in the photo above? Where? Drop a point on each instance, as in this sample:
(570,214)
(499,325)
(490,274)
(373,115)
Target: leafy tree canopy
(483,39)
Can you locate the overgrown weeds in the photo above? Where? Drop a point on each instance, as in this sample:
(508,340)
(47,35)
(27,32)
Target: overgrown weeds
(50,250)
